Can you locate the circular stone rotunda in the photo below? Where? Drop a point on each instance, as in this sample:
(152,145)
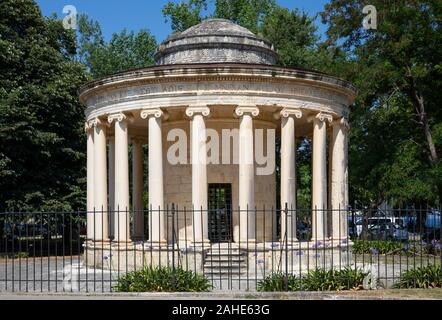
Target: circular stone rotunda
(208,115)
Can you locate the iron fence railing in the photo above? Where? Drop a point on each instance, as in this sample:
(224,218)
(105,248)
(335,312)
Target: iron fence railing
(234,249)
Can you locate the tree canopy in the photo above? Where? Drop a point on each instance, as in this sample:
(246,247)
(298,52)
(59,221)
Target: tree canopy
(396,136)
(41,127)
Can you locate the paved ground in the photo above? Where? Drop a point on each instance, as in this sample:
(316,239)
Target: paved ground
(431,294)
(70,275)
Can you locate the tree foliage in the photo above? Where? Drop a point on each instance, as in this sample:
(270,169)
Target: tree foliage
(41,128)
(396,121)
(125,50)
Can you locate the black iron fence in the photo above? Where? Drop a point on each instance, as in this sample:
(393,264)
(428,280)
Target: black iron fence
(233,249)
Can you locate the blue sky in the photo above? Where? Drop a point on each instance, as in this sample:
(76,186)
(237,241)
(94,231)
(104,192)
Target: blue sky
(115,15)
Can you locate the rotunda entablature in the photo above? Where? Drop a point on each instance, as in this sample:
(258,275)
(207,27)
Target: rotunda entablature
(218,85)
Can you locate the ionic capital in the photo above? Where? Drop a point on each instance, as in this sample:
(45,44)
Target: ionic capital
(343,123)
(87,126)
(288,112)
(119,117)
(157,113)
(191,111)
(322,117)
(96,122)
(241,110)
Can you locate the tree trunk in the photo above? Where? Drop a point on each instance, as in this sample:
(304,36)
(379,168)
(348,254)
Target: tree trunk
(419,104)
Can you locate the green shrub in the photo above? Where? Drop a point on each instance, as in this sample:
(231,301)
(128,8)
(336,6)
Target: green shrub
(379,247)
(279,282)
(421,278)
(164,279)
(316,280)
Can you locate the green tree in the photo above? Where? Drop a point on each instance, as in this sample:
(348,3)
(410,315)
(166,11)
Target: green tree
(248,13)
(183,15)
(396,136)
(125,50)
(41,128)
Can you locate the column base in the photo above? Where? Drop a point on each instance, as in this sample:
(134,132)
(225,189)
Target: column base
(247,244)
(201,244)
(157,245)
(289,242)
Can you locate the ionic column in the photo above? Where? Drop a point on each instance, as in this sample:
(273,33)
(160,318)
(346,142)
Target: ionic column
(137,183)
(89,129)
(288,173)
(246,173)
(121,189)
(199,172)
(155,173)
(319,176)
(100,220)
(338,179)
(111,185)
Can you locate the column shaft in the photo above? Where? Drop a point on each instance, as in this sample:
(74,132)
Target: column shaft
(121,189)
(100,221)
(338,182)
(319,180)
(246,174)
(90,182)
(156,184)
(137,183)
(111,185)
(199,173)
(288,179)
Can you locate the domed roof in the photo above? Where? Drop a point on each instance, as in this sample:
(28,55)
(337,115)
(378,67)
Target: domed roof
(217,26)
(215,41)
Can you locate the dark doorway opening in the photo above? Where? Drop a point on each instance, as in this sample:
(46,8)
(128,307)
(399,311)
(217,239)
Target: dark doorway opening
(220,213)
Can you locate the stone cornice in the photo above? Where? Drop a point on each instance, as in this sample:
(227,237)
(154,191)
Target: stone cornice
(241,110)
(217,73)
(157,113)
(191,111)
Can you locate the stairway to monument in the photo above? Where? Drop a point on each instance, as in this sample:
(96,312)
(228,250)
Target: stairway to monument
(224,262)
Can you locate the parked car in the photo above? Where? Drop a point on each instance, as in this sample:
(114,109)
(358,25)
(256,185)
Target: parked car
(400,232)
(381,231)
(432,220)
(24,230)
(387,231)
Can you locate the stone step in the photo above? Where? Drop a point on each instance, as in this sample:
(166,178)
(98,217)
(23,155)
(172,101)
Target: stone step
(225,264)
(225,273)
(225,253)
(225,259)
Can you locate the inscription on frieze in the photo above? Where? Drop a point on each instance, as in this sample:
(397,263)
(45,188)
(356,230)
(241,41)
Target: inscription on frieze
(234,87)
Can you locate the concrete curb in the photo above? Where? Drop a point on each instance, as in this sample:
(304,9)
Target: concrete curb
(349,295)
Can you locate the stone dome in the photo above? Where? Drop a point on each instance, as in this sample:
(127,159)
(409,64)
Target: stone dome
(215,41)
